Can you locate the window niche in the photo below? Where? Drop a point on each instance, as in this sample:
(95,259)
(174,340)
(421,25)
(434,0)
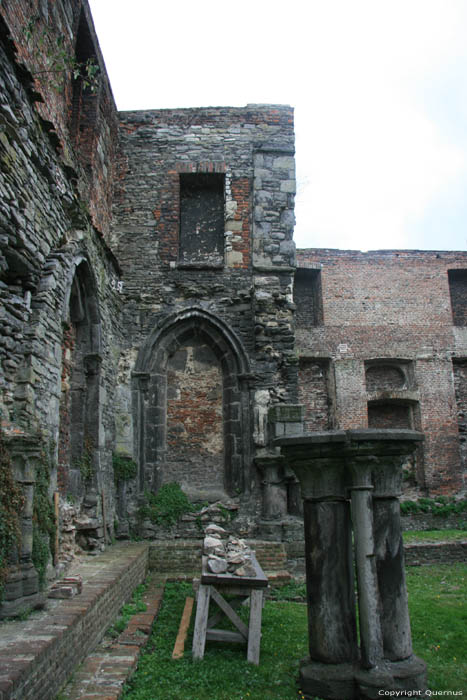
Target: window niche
(202,219)
(308,298)
(84,100)
(458,291)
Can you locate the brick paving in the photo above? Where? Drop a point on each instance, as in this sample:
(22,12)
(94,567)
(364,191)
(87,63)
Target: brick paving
(38,655)
(104,672)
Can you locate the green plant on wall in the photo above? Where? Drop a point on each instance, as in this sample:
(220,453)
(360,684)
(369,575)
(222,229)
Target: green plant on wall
(59,59)
(43,521)
(124,467)
(85,463)
(166,507)
(11,505)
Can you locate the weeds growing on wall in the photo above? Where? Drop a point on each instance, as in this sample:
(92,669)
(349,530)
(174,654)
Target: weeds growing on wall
(166,507)
(85,462)
(43,520)
(124,467)
(59,61)
(11,505)
(441,505)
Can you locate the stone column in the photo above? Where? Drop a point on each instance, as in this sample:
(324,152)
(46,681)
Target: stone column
(332,636)
(389,549)
(365,464)
(274,487)
(371,640)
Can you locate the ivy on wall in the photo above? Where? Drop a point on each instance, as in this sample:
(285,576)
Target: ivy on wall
(11,505)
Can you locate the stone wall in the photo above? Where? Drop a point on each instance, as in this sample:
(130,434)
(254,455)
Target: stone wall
(388,335)
(58,276)
(217,287)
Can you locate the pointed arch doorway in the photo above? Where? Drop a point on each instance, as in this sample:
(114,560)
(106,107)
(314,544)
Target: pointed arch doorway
(191,402)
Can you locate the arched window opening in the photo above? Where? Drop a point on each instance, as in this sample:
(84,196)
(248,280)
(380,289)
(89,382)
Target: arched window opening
(79,405)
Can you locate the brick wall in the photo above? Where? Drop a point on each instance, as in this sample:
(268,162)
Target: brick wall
(195,437)
(388,334)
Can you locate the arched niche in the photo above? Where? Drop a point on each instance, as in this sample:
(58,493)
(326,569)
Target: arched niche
(78,449)
(193,333)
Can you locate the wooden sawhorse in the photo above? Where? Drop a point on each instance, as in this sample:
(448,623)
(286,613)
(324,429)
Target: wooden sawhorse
(214,587)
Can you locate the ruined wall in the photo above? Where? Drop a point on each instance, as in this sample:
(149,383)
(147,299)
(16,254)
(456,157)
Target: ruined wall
(203,222)
(54,214)
(391,324)
(52,40)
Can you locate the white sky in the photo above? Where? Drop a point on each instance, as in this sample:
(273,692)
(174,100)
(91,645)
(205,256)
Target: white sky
(379,89)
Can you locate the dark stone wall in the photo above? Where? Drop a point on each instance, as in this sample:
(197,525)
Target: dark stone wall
(195,279)
(54,221)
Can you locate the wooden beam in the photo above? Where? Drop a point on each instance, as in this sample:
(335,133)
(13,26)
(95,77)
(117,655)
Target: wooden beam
(225,636)
(201,621)
(179,647)
(231,614)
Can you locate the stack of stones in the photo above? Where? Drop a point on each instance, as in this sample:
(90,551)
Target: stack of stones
(231,556)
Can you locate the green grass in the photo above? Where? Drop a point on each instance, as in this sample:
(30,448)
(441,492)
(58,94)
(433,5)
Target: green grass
(127,611)
(438,614)
(425,536)
(224,673)
(439,629)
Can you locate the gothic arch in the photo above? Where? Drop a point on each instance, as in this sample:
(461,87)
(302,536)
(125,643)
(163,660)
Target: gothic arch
(78,458)
(150,395)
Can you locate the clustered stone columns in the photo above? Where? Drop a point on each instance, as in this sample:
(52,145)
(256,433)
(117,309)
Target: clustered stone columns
(351,482)
(21,591)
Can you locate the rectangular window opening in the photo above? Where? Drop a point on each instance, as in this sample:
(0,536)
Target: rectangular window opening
(458,290)
(202,219)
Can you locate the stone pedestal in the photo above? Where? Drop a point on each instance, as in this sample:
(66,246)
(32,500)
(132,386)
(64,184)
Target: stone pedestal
(350,481)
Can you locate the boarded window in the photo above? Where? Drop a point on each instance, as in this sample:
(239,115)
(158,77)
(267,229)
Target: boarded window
(458,290)
(202,218)
(307,298)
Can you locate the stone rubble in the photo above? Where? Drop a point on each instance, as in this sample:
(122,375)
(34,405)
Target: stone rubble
(232,556)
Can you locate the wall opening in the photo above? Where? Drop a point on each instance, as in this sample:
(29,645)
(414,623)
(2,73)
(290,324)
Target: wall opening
(389,414)
(458,290)
(308,298)
(384,377)
(315,394)
(78,457)
(460,385)
(202,218)
(195,421)
(192,407)
(84,100)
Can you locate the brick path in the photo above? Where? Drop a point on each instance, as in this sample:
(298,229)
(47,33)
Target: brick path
(104,672)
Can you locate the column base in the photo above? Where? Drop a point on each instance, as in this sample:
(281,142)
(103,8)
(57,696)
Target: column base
(350,682)
(333,681)
(408,674)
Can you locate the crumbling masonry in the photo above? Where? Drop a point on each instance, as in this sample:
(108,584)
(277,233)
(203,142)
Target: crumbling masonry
(153,307)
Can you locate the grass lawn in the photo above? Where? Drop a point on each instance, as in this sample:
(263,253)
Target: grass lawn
(427,536)
(437,598)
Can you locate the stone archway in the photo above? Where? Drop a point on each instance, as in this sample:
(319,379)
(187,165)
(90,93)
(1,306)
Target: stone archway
(191,404)
(78,453)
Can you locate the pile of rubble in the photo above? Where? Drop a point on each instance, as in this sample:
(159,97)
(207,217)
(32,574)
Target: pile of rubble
(231,556)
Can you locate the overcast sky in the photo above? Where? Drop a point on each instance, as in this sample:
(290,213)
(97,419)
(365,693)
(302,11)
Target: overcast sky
(379,89)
